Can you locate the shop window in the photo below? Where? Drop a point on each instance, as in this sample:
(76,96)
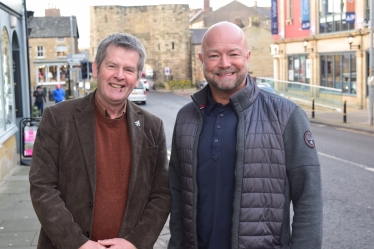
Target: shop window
(332,14)
(339,71)
(51,74)
(61,51)
(7,113)
(40,51)
(297,69)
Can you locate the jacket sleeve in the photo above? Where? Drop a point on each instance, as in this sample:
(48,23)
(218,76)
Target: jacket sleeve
(156,212)
(176,229)
(56,220)
(304,176)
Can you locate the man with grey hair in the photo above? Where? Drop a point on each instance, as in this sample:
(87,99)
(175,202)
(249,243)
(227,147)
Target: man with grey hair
(99,167)
(239,157)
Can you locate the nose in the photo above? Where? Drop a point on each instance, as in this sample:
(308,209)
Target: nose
(224,61)
(120,74)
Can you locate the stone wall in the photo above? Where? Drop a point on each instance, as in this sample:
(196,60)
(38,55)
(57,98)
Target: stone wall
(197,67)
(8,156)
(163,30)
(258,41)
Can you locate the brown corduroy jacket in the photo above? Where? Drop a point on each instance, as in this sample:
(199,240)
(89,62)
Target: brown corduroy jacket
(63,176)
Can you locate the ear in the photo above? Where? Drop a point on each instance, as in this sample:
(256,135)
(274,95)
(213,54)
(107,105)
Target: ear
(248,54)
(94,69)
(201,58)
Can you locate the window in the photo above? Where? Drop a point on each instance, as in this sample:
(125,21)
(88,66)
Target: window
(172,45)
(289,9)
(61,39)
(332,14)
(367,10)
(61,51)
(52,73)
(297,69)
(339,71)
(7,113)
(40,51)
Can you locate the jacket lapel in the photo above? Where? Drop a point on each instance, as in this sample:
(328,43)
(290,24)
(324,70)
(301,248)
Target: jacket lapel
(85,124)
(136,130)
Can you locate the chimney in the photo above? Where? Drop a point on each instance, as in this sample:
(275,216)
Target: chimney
(255,5)
(206,6)
(52,12)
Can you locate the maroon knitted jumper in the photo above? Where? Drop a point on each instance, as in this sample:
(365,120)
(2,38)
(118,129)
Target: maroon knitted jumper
(113,163)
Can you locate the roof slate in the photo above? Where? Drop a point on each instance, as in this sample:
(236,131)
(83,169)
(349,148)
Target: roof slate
(53,26)
(197,35)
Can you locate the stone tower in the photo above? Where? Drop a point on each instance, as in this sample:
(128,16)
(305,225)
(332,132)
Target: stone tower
(163,30)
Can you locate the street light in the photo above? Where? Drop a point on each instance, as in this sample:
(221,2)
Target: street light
(306,47)
(350,41)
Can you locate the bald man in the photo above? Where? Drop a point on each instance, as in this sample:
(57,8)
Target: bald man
(240,156)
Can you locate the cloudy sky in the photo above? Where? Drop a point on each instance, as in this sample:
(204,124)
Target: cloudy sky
(80,9)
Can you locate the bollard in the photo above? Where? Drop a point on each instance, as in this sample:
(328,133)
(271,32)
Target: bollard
(345,111)
(312,107)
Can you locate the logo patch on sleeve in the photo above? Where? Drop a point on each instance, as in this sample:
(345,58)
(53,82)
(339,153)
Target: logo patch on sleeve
(309,140)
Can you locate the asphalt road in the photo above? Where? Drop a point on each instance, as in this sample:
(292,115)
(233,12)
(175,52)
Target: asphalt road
(347,161)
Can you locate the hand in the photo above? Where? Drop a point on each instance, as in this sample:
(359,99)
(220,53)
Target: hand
(117,243)
(92,245)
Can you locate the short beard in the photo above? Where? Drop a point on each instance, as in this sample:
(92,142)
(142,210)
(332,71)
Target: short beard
(226,88)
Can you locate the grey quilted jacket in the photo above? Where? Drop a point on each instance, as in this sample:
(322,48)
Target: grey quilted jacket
(276,164)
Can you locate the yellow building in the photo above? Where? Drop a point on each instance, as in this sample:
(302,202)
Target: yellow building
(331,51)
(51,39)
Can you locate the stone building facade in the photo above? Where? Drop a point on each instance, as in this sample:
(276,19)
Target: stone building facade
(163,30)
(258,41)
(51,39)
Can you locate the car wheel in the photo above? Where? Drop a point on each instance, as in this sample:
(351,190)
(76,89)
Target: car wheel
(143,102)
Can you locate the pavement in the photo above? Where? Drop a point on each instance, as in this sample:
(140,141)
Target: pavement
(19,226)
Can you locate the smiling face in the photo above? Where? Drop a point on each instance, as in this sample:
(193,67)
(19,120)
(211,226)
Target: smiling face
(225,58)
(117,76)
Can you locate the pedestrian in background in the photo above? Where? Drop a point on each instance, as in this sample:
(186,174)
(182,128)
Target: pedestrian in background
(240,156)
(59,93)
(98,175)
(39,99)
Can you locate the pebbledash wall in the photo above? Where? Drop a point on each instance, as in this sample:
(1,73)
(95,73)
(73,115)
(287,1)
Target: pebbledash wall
(163,30)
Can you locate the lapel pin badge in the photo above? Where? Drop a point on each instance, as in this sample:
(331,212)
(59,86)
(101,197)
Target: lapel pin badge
(137,123)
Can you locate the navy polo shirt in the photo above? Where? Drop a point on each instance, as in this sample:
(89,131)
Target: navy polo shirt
(216,158)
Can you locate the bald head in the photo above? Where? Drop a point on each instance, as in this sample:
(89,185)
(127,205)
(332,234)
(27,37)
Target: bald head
(224,56)
(225,32)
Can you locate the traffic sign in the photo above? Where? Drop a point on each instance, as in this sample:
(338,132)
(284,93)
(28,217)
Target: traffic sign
(167,71)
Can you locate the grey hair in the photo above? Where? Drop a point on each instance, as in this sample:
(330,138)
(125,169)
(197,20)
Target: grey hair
(125,41)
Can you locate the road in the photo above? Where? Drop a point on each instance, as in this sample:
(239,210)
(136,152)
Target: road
(347,161)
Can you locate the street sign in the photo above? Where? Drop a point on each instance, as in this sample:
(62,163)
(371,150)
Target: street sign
(167,71)
(75,59)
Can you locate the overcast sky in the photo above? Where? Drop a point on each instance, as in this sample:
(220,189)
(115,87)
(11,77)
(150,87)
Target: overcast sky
(80,9)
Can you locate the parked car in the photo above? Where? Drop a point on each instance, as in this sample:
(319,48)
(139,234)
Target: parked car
(267,87)
(146,83)
(139,94)
(203,83)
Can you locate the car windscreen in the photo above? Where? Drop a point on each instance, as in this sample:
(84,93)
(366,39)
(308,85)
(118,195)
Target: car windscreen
(140,86)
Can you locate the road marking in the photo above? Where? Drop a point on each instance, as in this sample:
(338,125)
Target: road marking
(342,160)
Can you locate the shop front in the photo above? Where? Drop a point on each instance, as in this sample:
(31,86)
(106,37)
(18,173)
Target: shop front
(14,83)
